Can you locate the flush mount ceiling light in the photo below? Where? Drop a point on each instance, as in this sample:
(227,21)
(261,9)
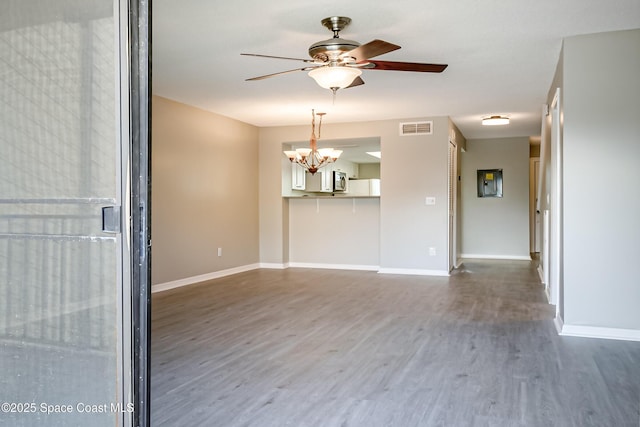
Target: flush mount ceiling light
(495,121)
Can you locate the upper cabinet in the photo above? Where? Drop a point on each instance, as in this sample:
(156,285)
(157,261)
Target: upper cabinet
(348,167)
(321,181)
(364,187)
(298,177)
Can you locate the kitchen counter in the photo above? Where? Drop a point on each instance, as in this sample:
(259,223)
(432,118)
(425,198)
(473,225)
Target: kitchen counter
(330,196)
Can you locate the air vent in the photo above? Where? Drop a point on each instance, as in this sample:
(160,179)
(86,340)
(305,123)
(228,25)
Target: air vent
(416,128)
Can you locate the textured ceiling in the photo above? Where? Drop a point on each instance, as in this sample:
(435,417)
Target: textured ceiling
(502,56)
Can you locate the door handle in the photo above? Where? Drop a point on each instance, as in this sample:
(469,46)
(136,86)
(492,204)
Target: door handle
(111,219)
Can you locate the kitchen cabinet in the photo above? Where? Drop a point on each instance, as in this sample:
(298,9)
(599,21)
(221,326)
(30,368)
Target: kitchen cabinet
(364,187)
(350,168)
(321,181)
(298,177)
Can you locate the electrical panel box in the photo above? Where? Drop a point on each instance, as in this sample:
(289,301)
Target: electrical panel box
(489,182)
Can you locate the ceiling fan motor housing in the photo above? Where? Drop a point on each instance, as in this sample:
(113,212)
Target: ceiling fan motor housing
(331,49)
(326,50)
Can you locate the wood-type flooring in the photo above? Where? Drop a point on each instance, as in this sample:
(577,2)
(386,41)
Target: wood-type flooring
(312,347)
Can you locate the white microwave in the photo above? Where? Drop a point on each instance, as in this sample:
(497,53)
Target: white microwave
(339,181)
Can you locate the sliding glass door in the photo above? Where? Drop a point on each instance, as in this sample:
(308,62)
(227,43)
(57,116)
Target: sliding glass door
(65,287)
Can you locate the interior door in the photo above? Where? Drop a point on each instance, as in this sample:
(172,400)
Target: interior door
(65,316)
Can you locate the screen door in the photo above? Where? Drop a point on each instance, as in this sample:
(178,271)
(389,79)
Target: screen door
(64,275)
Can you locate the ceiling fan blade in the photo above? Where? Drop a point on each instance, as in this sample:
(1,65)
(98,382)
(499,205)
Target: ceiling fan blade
(371,49)
(266,76)
(277,57)
(405,66)
(356,82)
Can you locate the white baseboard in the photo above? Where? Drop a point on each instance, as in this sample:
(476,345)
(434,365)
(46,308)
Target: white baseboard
(413,271)
(274,265)
(485,256)
(202,278)
(334,266)
(599,332)
(545,289)
(559,324)
(228,272)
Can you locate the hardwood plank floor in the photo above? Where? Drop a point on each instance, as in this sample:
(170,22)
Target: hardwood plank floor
(303,347)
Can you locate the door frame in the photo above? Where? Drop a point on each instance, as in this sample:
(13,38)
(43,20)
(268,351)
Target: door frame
(534,214)
(139,208)
(555,211)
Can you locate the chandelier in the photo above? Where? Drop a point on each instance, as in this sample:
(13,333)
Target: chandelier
(313,158)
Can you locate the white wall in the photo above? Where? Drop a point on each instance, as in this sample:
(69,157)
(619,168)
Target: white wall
(201,198)
(496,227)
(601,137)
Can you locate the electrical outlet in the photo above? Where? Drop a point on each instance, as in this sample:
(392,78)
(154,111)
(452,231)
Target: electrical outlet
(432,251)
(219,251)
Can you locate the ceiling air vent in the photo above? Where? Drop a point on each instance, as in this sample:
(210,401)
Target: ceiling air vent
(416,128)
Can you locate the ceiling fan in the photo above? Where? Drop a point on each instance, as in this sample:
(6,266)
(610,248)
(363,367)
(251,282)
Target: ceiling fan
(337,63)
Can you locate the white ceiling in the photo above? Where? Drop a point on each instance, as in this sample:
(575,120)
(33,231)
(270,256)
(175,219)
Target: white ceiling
(502,56)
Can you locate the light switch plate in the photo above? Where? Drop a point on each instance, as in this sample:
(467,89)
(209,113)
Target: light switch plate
(430,201)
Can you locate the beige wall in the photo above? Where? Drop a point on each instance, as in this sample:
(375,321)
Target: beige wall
(203,201)
(340,232)
(413,167)
(204,192)
(368,170)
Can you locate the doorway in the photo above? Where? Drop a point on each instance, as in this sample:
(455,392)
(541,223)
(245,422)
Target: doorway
(534,214)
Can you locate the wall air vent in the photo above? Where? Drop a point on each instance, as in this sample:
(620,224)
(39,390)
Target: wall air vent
(416,128)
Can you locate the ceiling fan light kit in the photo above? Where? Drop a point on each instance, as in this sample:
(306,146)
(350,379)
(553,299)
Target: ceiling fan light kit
(337,63)
(495,121)
(334,77)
